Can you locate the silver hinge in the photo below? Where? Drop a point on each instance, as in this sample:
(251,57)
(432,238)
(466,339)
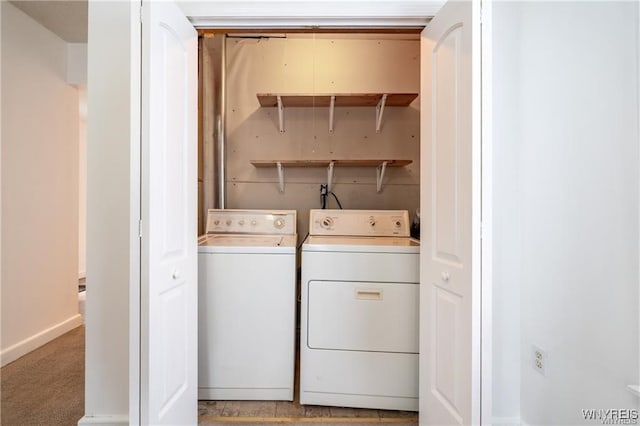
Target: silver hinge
(140,229)
(141,12)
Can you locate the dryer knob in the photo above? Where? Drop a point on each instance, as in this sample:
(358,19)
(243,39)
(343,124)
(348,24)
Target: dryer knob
(372,221)
(327,222)
(278,223)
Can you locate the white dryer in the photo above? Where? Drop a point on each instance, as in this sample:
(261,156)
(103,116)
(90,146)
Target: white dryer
(360,310)
(246,305)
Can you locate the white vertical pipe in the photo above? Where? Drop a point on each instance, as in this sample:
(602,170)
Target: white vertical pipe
(222,193)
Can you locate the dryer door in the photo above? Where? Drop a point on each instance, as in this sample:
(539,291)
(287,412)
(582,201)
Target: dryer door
(363,316)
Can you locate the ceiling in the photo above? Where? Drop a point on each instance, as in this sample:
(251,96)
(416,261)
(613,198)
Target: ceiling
(66,19)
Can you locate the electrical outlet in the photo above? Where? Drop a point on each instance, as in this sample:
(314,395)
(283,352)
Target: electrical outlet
(539,360)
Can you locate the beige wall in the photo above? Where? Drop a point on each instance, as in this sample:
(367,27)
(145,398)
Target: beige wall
(39,187)
(320,64)
(82,182)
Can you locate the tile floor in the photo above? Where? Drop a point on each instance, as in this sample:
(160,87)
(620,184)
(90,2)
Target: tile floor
(274,412)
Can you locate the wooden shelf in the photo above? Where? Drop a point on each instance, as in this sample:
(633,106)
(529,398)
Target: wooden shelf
(377,100)
(381,166)
(341,99)
(325,163)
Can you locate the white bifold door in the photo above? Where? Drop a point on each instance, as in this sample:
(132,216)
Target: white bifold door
(168,349)
(449,204)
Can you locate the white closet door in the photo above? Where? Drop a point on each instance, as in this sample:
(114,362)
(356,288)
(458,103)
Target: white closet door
(169,356)
(450,322)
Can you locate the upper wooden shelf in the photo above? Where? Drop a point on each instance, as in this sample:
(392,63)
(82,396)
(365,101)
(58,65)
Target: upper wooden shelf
(341,99)
(377,100)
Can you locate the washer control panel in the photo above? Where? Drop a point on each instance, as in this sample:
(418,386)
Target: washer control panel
(231,221)
(377,223)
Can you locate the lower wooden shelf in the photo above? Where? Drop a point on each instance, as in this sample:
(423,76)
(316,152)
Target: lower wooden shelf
(381,166)
(325,163)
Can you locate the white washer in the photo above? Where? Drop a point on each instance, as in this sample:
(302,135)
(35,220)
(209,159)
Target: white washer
(246,305)
(360,310)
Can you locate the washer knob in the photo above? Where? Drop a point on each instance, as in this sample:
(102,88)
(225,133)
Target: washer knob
(278,223)
(216,222)
(228,222)
(254,223)
(327,222)
(241,222)
(372,221)
(398,224)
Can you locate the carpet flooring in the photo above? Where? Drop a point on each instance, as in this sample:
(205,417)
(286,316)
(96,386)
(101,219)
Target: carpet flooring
(46,386)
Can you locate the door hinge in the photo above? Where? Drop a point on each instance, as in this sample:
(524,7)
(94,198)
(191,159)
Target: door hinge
(141,12)
(140,229)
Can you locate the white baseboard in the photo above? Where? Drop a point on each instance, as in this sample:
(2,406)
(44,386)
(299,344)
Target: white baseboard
(104,420)
(34,342)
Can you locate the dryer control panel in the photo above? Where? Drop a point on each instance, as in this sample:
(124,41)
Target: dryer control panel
(365,223)
(232,221)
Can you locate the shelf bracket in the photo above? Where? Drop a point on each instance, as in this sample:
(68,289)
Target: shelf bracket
(379,112)
(332,106)
(380,175)
(330,176)
(280,175)
(280,114)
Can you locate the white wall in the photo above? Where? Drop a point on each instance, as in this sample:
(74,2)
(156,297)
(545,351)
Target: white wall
(569,198)
(39,187)
(323,64)
(110,182)
(507,250)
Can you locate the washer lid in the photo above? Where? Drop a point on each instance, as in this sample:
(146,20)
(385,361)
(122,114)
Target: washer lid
(362,244)
(216,243)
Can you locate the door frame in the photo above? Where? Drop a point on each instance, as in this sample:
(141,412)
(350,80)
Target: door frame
(486,212)
(269,15)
